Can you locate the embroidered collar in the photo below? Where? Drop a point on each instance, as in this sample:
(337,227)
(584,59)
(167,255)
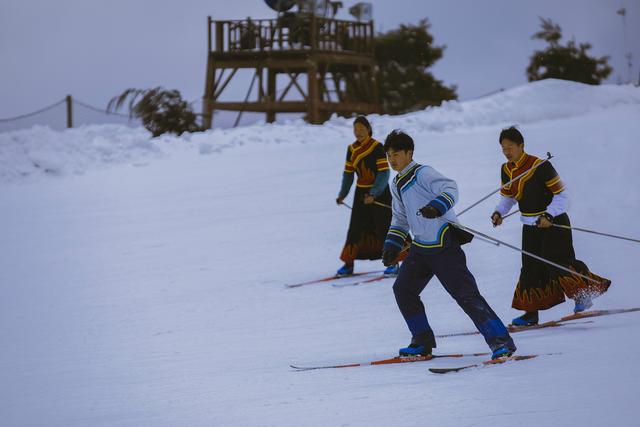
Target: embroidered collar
(520,161)
(407,168)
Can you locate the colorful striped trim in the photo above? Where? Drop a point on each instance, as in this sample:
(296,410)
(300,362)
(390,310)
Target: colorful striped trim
(525,163)
(400,233)
(442,203)
(382,165)
(395,237)
(360,151)
(531,213)
(555,185)
(437,243)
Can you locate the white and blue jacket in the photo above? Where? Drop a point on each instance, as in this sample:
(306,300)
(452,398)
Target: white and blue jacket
(413,188)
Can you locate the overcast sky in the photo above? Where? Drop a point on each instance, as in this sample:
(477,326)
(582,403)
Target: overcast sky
(94,49)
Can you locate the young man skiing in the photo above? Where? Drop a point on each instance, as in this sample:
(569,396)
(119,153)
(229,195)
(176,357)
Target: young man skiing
(422,204)
(543,202)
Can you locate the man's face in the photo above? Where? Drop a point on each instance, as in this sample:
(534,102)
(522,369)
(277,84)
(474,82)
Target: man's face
(511,150)
(399,159)
(360,131)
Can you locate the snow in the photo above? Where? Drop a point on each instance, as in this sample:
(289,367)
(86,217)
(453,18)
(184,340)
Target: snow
(142,279)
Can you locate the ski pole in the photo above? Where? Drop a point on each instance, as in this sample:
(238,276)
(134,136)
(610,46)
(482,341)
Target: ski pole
(343,203)
(596,232)
(549,156)
(512,213)
(583,230)
(382,204)
(539,258)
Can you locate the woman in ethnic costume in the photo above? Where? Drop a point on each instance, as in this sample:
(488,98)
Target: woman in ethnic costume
(543,201)
(369,221)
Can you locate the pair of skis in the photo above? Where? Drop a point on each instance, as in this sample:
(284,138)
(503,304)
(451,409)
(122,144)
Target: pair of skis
(363,278)
(410,359)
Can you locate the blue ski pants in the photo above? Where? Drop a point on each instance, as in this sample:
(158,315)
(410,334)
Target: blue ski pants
(449,265)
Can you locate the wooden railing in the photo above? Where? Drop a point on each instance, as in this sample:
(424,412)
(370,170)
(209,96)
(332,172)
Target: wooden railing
(290,32)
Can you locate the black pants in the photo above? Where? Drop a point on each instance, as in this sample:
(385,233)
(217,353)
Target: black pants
(450,267)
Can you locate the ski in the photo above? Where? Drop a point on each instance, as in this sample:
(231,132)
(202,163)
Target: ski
(512,329)
(330,279)
(552,323)
(393,360)
(596,313)
(362,282)
(485,363)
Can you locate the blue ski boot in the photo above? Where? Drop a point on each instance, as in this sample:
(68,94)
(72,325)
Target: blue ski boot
(345,270)
(502,352)
(583,302)
(391,271)
(530,318)
(421,345)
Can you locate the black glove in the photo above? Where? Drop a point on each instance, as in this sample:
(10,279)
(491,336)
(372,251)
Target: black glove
(389,257)
(429,212)
(496,218)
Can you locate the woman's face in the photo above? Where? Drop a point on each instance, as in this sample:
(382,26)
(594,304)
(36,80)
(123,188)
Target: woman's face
(511,150)
(360,131)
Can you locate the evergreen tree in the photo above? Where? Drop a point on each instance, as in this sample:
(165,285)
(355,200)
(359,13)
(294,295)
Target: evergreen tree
(568,62)
(161,111)
(403,56)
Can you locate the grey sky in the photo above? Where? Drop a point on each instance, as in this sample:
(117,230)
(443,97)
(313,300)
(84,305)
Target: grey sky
(94,49)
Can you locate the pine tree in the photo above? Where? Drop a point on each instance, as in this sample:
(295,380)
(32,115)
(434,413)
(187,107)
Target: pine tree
(403,56)
(568,62)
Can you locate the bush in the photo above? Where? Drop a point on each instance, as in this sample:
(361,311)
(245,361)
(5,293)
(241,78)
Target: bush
(161,111)
(569,62)
(403,56)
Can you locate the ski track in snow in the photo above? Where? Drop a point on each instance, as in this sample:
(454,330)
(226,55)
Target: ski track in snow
(142,279)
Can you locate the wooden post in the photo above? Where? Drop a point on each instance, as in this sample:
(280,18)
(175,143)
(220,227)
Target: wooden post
(271,94)
(313,115)
(208,35)
(69,111)
(314,33)
(219,36)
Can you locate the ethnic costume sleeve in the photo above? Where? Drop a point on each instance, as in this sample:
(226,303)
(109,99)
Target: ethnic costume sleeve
(382,172)
(560,201)
(399,229)
(506,202)
(347,176)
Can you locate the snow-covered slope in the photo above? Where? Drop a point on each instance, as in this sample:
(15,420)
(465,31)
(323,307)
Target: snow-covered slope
(141,281)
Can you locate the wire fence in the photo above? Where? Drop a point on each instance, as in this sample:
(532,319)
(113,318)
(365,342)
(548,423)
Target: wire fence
(65,113)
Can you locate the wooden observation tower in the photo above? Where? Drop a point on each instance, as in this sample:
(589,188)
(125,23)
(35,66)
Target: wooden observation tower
(327,66)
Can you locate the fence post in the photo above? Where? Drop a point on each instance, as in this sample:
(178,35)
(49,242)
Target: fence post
(69,111)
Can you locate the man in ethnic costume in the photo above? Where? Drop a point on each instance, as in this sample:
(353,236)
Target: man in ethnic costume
(423,201)
(369,221)
(543,202)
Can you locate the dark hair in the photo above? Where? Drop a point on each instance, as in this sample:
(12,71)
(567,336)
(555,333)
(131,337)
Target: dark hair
(512,134)
(398,141)
(364,122)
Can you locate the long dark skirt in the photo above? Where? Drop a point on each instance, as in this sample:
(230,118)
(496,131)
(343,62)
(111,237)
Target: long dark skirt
(368,227)
(542,286)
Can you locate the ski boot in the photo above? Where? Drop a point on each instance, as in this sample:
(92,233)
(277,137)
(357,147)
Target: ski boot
(421,345)
(391,271)
(583,302)
(345,270)
(502,352)
(530,318)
